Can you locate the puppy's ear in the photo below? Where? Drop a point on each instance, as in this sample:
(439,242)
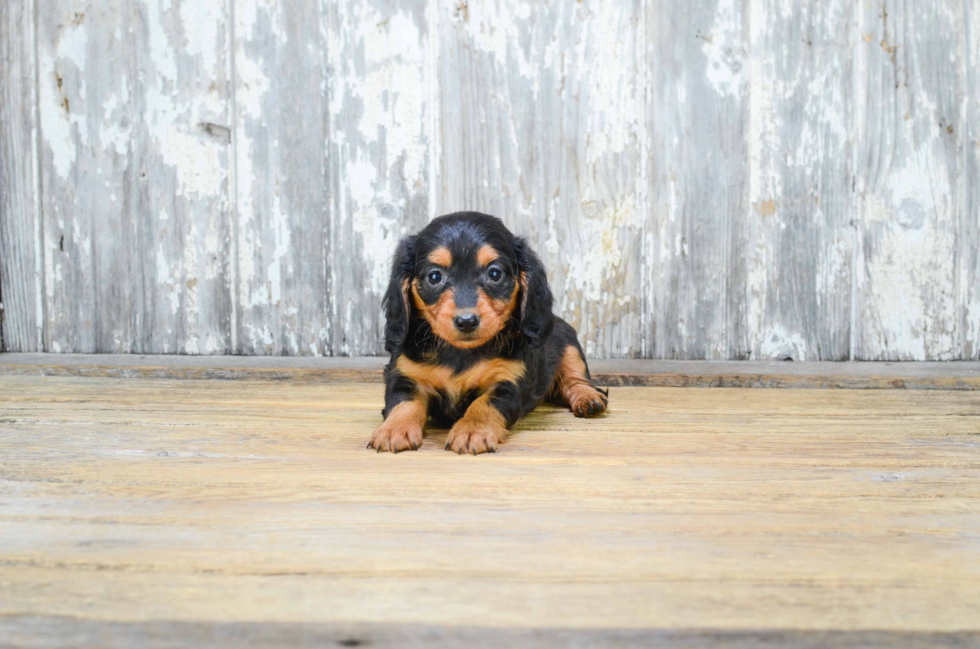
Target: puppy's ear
(536,301)
(396,302)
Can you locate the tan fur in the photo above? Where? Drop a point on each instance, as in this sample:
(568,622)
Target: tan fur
(523,283)
(480,430)
(493,317)
(439,315)
(575,388)
(431,378)
(405,291)
(486,254)
(402,429)
(441,257)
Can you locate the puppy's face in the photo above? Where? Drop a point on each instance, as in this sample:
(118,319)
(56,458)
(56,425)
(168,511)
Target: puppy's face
(468,276)
(465,287)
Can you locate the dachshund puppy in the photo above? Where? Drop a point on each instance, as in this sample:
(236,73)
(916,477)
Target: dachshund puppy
(473,342)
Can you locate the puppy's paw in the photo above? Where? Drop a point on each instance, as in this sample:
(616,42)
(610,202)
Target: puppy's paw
(586,401)
(475,438)
(396,436)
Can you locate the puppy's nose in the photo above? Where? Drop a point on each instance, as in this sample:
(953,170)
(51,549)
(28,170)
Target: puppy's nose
(467,322)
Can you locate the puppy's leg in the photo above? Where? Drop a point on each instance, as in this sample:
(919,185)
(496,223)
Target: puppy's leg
(481,429)
(405,412)
(402,427)
(574,385)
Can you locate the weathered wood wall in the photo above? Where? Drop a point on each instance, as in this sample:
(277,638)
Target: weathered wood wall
(704,179)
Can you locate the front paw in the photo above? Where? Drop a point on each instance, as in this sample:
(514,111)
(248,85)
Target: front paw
(475,438)
(587,401)
(396,436)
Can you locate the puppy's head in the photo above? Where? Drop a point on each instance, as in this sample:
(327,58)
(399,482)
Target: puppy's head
(469,278)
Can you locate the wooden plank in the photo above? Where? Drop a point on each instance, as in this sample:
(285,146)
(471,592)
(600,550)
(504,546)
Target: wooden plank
(381,152)
(968,280)
(20,316)
(134,114)
(800,241)
(910,122)
(541,117)
(31,630)
(90,175)
(283,231)
(332,165)
(184,195)
(698,127)
(613,372)
(193,502)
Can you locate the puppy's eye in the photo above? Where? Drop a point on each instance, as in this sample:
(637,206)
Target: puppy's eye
(435,277)
(495,274)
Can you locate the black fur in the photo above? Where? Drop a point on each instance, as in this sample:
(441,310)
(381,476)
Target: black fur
(533,335)
(537,320)
(396,310)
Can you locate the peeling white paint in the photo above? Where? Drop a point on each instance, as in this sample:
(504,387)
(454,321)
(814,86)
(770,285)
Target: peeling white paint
(914,320)
(724,50)
(779,344)
(493,28)
(605,234)
(614,103)
(200,172)
(161,50)
(562,105)
(252,86)
(62,73)
(391,90)
(201,21)
(378,230)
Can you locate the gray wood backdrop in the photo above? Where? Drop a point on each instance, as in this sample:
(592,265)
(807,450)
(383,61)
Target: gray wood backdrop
(723,179)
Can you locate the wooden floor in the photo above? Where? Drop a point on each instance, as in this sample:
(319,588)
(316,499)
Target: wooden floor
(167,512)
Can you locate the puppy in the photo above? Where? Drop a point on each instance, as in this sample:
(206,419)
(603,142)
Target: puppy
(473,342)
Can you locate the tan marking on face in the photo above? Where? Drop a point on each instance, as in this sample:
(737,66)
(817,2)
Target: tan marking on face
(440,314)
(441,257)
(432,378)
(486,254)
(493,317)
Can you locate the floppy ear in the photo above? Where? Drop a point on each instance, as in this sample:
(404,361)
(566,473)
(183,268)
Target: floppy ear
(536,318)
(396,304)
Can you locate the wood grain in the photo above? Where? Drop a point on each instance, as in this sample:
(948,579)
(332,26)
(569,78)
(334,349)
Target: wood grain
(611,372)
(51,631)
(799,233)
(542,124)
(282,234)
(698,133)
(134,107)
(968,250)
(381,151)
(237,502)
(93,289)
(910,125)
(185,203)
(720,179)
(20,318)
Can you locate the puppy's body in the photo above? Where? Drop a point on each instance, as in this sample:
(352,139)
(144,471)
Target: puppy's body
(473,341)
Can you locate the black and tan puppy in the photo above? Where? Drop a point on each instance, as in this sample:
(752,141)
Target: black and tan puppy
(473,342)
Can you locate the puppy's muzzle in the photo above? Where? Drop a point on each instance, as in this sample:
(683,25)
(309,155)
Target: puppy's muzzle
(466,322)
